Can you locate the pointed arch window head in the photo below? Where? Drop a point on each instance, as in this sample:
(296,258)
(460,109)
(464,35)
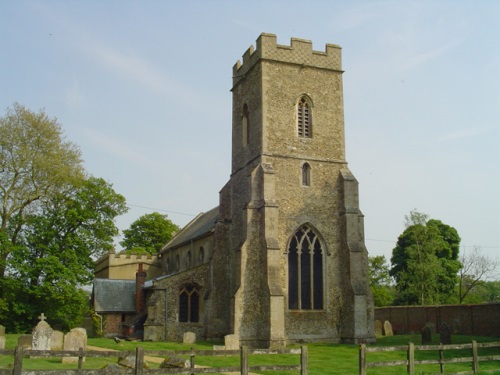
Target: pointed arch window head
(306,174)
(305,270)
(245,126)
(304,124)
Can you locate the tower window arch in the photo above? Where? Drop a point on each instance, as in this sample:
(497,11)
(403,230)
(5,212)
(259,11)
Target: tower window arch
(245,126)
(304,117)
(305,270)
(189,304)
(306,174)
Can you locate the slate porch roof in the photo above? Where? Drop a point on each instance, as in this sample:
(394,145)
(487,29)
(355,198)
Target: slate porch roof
(200,226)
(114,296)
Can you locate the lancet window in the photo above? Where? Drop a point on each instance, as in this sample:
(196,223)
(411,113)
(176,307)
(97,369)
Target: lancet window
(189,304)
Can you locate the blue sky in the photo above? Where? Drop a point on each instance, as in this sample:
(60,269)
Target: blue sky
(143,87)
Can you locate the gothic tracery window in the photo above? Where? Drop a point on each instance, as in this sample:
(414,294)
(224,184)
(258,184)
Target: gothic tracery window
(189,304)
(304,118)
(305,270)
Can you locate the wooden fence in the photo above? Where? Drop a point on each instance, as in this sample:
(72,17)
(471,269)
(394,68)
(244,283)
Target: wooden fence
(410,361)
(19,353)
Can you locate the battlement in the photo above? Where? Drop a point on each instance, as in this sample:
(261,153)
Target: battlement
(299,52)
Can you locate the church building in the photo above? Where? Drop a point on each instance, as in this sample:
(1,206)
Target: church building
(282,258)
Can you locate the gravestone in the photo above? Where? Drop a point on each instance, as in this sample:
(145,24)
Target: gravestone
(57,340)
(378,328)
(445,334)
(175,362)
(232,342)
(426,336)
(25,341)
(388,328)
(42,335)
(129,362)
(74,340)
(432,327)
(2,330)
(189,338)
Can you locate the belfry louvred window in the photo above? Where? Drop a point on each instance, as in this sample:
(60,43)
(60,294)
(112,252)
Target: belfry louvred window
(304,118)
(305,270)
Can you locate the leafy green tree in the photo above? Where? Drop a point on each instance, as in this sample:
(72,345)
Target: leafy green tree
(149,233)
(380,281)
(56,252)
(425,263)
(35,163)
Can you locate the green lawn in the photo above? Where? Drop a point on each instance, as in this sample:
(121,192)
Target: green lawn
(324,359)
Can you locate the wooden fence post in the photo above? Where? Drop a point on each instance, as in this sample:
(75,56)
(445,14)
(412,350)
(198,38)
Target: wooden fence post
(441,357)
(139,360)
(304,360)
(80,358)
(411,359)
(191,362)
(362,359)
(244,360)
(475,359)
(18,360)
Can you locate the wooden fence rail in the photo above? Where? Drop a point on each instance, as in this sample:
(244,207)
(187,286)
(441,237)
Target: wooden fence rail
(410,361)
(19,353)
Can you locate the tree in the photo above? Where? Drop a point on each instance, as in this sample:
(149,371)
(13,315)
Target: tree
(425,262)
(35,163)
(380,281)
(475,270)
(149,233)
(56,252)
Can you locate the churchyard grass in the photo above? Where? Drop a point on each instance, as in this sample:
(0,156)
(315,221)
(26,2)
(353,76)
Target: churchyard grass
(324,359)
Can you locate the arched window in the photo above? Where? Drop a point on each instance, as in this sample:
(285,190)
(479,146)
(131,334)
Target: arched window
(201,255)
(189,304)
(304,126)
(305,270)
(177,263)
(188,260)
(245,128)
(306,174)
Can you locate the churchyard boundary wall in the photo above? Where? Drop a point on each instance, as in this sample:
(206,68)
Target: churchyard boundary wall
(19,353)
(410,361)
(476,320)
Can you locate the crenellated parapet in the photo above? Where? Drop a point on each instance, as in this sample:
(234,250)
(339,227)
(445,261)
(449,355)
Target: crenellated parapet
(299,52)
(123,266)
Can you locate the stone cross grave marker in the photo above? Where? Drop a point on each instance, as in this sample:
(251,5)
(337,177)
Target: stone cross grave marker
(42,335)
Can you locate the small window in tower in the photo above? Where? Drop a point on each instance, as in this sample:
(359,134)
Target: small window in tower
(304,118)
(306,174)
(245,132)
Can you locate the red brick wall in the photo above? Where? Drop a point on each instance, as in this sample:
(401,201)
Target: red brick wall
(479,320)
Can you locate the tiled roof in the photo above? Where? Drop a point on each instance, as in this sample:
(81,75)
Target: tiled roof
(201,225)
(114,295)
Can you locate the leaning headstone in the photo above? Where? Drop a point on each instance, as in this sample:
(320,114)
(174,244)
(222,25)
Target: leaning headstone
(232,342)
(189,338)
(426,336)
(129,362)
(378,328)
(42,335)
(74,340)
(388,328)
(57,340)
(175,362)
(445,334)
(25,341)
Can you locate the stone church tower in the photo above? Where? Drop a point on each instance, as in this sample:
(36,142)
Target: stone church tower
(282,259)
(289,214)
